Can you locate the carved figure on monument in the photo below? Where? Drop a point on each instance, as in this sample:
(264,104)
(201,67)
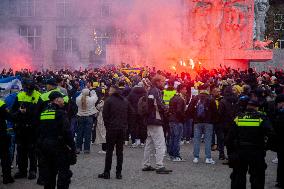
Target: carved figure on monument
(208,16)
(235,21)
(260,8)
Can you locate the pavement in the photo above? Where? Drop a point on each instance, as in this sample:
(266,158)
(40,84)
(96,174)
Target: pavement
(186,175)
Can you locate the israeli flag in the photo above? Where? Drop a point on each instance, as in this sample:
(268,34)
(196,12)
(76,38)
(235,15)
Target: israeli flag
(7,83)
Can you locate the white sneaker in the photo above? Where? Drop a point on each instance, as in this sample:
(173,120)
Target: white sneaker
(195,160)
(142,145)
(182,142)
(177,159)
(275,160)
(209,161)
(102,152)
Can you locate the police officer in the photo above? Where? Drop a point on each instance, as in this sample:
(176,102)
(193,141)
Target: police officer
(25,129)
(51,86)
(56,144)
(246,141)
(4,145)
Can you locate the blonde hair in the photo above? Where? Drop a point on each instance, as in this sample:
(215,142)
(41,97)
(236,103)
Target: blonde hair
(85,93)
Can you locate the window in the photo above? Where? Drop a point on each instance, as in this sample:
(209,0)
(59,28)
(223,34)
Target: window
(33,36)
(279,22)
(27,8)
(63,8)
(105,10)
(65,39)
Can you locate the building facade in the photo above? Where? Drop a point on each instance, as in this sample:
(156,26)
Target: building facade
(60,33)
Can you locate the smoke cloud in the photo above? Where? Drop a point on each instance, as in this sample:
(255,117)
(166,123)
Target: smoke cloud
(144,32)
(15,52)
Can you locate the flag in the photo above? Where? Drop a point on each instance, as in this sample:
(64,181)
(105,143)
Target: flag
(8,82)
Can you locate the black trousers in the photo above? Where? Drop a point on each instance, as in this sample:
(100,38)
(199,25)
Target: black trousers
(253,162)
(114,138)
(4,156)
(56,167)
(280,169)
(26,155)
(138,129)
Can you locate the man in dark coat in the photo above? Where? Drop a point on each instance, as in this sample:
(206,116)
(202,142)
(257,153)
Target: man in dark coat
(116,119)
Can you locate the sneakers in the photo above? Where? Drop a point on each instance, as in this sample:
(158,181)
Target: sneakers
(177,159)
(209,161)
(195,160)
(148,168)
(102,152)
(275,160)
(163,170)
(104,176)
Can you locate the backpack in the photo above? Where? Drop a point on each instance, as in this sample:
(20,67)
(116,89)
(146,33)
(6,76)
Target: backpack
(202,108)
(143,107)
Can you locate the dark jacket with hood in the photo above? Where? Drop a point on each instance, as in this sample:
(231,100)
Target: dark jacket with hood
(134,96)
(210,108)
(155,94)
(116,112)
(228,108)
(177,109)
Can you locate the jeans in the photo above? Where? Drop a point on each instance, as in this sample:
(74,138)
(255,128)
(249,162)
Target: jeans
(73,125)
(84,132)
(175,138)
(187,129)
(208,131)
(155,142)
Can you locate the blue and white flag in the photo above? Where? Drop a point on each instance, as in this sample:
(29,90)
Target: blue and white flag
(7,83)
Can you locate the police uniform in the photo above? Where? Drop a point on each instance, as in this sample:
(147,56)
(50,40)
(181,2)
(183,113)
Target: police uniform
(42,104)
(246,143)
(4,145)
(25,129)
(56,145)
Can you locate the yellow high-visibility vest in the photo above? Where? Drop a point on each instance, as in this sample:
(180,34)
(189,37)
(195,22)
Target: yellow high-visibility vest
(168,95)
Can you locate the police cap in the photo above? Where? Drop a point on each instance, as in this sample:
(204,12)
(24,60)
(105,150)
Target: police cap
(54,95)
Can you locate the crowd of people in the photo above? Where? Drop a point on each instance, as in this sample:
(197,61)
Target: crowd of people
(58,114)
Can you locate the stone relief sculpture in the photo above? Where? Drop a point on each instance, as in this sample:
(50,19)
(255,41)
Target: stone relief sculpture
(260,8)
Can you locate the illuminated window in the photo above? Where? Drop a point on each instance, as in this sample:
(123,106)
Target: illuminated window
(63,8)
(279,22)
(33,36)
(65,39)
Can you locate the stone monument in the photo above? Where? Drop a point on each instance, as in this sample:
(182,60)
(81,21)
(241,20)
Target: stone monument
(222,32)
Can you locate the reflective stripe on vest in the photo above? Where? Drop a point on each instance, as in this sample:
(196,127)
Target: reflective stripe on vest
(48,115)
(45,96)
(2,103)
(246,122)
(23,97)
(168,95)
